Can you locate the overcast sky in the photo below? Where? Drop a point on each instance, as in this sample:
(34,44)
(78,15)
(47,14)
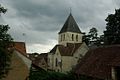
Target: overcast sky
(37,22)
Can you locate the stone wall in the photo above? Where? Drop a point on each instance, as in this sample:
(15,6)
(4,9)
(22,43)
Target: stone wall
(19,69)
(67,38)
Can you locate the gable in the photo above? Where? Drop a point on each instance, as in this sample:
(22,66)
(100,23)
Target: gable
(57,52)
(68,50)
(41,58)
(42,62)
(20,46)
(24,58)
(19,69)
(81,51)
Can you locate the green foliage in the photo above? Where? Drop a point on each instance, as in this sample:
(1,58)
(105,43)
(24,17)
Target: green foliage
(4,62)
(86,39)
(5,40)
(83,77)
(50,75)
(93,34)
(112,33)
(100,40)
(37,74)
(71,76)
(2,9)
(91,37)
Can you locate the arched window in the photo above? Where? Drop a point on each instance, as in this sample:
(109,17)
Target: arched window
(64,36)
(72,37)
(76,37)
(61,37)
(56,62)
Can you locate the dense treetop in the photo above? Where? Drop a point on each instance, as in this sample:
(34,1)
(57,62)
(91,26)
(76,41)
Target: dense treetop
(112,32)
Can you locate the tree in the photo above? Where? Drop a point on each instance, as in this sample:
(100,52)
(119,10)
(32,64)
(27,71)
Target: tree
(100,40)
(2,9)
(5,41)
(86,39)
(93,34)
(91,37)
(40,74)
(112,32)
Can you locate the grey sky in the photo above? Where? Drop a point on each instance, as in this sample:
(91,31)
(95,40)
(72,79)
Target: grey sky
(41,20)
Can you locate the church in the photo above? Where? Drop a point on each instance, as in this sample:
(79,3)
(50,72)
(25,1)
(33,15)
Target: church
(70,48)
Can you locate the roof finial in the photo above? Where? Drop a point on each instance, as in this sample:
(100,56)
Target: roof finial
(70,10)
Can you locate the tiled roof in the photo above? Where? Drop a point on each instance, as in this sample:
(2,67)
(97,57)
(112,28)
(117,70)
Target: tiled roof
(98,62)
(43,55)
(20,46)
(39,58)
(70,25)
(68,50)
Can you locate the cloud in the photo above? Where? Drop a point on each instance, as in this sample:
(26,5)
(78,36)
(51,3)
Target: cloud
(116,3)
(41,20)
(41,47)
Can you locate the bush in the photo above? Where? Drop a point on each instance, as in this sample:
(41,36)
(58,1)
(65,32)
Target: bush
(50,75)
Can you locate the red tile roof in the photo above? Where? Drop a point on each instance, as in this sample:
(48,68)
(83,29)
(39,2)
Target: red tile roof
(68,50)
(98,62)
(20,46)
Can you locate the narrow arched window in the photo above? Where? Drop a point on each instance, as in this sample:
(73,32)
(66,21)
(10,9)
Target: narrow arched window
(76,37)
(61,37)
(72,37)
(64,36)
(56,62)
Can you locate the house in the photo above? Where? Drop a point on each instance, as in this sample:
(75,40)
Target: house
(101,63)
(32,56)
(41,61)
(20,46)
(70,48)
(38,60)
(20,64)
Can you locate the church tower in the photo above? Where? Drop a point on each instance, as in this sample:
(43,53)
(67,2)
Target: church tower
(70,32)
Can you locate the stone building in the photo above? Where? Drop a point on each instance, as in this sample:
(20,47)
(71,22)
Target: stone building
(20,64)
(41,61)
(70,48)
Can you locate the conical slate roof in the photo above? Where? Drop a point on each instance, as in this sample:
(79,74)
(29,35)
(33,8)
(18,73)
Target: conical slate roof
(70,25)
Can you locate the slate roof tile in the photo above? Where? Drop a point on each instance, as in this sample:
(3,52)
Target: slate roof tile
(70,25)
